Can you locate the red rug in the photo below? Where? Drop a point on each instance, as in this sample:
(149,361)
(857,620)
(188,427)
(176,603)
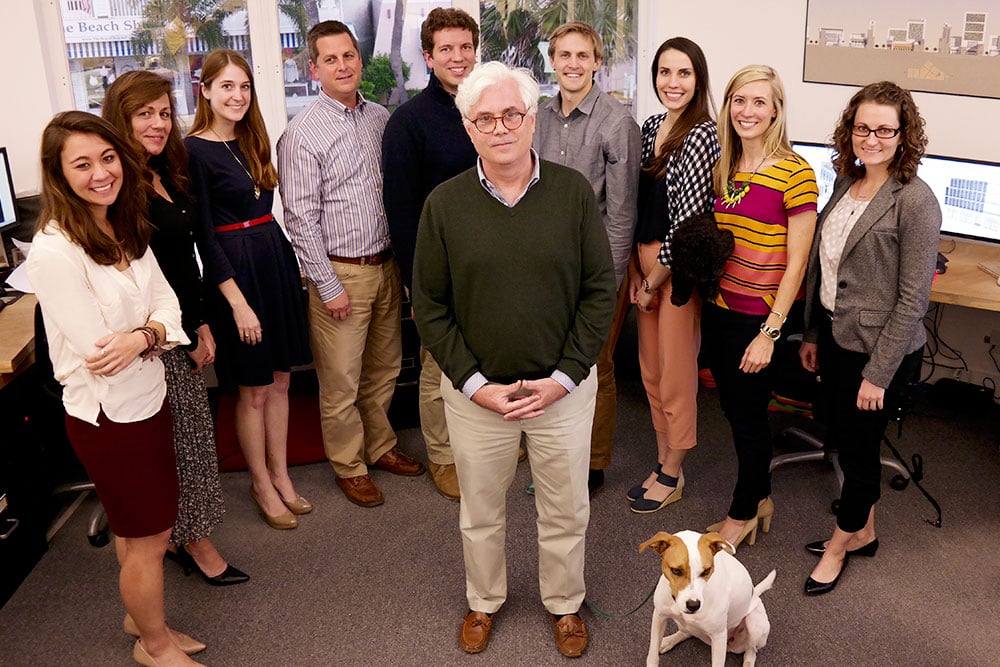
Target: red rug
(305,437)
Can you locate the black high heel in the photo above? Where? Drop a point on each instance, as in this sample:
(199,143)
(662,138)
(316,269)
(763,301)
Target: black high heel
(868,551)
(229,576)
(814,587)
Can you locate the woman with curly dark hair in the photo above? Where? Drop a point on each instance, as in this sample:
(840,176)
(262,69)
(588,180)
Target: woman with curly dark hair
(868,286)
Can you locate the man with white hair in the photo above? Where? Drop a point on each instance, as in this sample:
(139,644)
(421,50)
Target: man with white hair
(514,289)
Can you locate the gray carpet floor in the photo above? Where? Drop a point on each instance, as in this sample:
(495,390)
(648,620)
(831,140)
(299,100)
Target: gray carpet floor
(385,586)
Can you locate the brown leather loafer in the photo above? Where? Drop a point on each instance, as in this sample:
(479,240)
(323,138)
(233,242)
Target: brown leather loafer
(474,634)
(398,463)
(571,635)
(445,479)
(361,490)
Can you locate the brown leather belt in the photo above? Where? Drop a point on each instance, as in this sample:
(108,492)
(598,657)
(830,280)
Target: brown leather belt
(373,260)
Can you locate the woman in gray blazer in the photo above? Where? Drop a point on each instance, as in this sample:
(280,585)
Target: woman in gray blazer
(867,289)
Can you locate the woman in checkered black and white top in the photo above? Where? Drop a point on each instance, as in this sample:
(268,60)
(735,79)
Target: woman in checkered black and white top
(679,149)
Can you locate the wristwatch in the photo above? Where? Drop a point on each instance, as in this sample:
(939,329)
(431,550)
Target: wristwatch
(770,332)
(645,287)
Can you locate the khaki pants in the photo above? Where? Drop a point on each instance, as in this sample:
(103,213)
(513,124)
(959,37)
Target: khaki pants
(357,362)
(485,448)
(605,410)
(433,426)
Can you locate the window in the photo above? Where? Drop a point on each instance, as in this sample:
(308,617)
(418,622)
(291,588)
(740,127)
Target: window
(516,32)
(374,40)
(105,38)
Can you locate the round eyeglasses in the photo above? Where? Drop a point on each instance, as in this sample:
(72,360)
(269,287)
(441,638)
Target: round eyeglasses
(486,123)
(880,132)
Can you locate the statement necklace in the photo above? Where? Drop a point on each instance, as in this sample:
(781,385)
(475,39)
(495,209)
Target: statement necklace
(256,188)
(733,195)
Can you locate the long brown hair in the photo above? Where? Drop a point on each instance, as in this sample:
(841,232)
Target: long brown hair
(127,214)
(698,110)
(251,134)
(912,139)
(775,137)
(130,92)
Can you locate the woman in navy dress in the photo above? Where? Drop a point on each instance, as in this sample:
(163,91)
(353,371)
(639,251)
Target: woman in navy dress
(260,327)
(139,104)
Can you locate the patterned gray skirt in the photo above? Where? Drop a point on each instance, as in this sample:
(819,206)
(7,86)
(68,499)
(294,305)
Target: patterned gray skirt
(201,506)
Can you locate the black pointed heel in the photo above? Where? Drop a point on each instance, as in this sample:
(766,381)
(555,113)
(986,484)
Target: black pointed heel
(229,577)
(814,587)
(818,548)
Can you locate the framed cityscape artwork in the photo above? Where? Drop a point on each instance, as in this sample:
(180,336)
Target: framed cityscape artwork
(925,45)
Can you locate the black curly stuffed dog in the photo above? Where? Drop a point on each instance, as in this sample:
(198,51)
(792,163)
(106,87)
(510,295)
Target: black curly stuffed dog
(699,250)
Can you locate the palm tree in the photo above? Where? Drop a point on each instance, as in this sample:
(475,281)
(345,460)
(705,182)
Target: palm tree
(613,20)
(167,25)
(510,33)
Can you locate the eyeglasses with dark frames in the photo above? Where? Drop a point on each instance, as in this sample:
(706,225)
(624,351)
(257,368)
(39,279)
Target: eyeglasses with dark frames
(486,123)
(862,130)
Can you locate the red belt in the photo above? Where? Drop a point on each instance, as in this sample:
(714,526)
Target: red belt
(245,224)
(373,260)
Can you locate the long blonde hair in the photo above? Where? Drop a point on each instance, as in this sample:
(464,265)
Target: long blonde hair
(775,137)
(251,133)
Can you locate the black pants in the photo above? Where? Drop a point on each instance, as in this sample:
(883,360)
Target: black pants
(744,398)
(856,434)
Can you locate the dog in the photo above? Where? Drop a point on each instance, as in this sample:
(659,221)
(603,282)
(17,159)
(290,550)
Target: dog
(699,249)
(709,595)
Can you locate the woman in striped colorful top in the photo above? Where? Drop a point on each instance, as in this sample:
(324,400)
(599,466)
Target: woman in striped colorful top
(766,196)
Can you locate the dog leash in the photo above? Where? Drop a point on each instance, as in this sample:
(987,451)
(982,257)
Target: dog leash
(619,616)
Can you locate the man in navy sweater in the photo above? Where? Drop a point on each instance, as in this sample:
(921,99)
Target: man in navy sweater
(424,145)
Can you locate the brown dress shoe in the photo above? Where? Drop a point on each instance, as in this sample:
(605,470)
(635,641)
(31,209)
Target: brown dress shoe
(445,479)
(474,634)
(571,635)
(361,490)
(398,463)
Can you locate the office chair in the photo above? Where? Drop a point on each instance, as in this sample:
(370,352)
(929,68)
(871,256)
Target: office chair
(791,377)
(51,417)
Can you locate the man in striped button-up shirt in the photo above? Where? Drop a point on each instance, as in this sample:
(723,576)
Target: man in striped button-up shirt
(329,166)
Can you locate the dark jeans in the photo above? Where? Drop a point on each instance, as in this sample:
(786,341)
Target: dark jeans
(856,434)
(744,398)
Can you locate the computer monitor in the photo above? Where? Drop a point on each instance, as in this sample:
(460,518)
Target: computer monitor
(968,191)
(8,212)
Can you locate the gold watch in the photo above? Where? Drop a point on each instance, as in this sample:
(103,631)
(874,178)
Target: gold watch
(645,286)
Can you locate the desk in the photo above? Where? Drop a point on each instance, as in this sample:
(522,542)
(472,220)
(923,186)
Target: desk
(17,338)
(965,284)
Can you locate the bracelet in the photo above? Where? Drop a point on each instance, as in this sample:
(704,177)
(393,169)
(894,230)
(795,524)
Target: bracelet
(770,332)
(645,287)
(782,317)
(152,340)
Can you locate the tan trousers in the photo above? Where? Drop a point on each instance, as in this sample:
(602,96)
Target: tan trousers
(433,426)
(605,410)
(485,449)
(669,340)
(357,362)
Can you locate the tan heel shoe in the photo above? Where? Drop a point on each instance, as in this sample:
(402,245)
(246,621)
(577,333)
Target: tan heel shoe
(141,656)
(285,521)
(189,645)
(765,512)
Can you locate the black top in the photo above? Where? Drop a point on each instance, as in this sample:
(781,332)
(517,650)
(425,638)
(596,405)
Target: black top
(654,200)
(174,223)
(424,144)
(224,193)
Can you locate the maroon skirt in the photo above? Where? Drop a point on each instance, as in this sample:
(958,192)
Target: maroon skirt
(133,468)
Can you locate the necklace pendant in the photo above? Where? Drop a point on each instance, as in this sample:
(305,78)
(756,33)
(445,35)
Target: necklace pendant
(256,191)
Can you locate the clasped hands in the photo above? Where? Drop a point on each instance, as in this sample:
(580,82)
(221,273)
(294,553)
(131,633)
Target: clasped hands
(524,399)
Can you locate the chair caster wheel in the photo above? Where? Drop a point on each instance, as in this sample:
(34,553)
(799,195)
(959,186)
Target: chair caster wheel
(899,482)
(98,540)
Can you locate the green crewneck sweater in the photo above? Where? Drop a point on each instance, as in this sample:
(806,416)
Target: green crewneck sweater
(514,293)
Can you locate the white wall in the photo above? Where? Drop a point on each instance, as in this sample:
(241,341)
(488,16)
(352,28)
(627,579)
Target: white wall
(772,32)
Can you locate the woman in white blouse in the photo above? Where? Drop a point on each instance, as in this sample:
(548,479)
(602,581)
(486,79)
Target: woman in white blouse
(108,311)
